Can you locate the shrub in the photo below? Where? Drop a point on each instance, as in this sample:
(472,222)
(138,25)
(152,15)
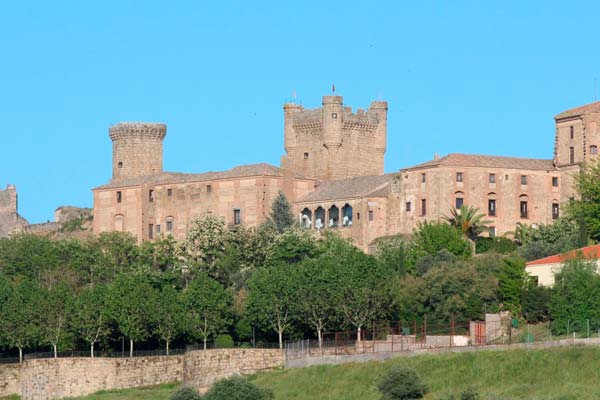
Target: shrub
(500,245)
(402,383)
(224,342)
(468,394)
(185,393)
(237,388)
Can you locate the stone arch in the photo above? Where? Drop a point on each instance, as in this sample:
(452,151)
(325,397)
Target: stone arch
(347,215)
(306,218)
(333,217)
(119,223)
(319,217)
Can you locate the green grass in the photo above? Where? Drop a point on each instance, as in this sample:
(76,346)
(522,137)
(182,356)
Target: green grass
(555,374)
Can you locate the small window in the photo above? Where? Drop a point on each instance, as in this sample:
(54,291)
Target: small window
(523,208)
(505,177)
(306,156)
(593,149)
(572,155)
(459,202)
(423,207)
(492,231)
(459,177)
(169,226)
(555,181)
(357,215)
(492,207)
(119,196)
(371,215)
(120,165)
(151,196)
(423,177)
(237,216)
(158,229)
(151,231)
(523,179)
(408,206)
(169,192)
(571,132)
(334,115)
(492,178)
(208,188)
(555,211)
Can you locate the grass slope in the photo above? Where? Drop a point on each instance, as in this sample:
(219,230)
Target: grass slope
(555,374)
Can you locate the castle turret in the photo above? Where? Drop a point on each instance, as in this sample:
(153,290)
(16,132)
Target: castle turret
(137,148)
(332,122)
(380,108)
(289,110)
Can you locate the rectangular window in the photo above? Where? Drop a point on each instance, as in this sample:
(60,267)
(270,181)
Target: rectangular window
(492,207)
(408,206)
(151,231)
(371,215)
(523,179)
(555,211)
(555,181)
(119,196)
(306,156)
(423,207)
(459,177)
(459,202)
(423,177)
(169,226)
(523,208)
(237,217)
(169,192)
(492,178)
(492,231)
(572,155)
(208,188)
(571,132)
(151,196)
(158,229)
(357,215)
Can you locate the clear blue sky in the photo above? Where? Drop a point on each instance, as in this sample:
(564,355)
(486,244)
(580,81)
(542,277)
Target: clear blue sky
(459,77)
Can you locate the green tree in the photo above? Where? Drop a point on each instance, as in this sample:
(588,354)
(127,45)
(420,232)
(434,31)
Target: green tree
(19,315)
(118,253)
(91,317)
(131,307)
(208,306)
(397,254)
(402,383)
(430,238)
(281,217)
(468,220)
(292,246)
(170,314)
(55,313)
(273,298)
(535,301)
(512,280)
(586,206)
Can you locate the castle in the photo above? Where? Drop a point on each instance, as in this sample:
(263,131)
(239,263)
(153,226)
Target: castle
(333,174)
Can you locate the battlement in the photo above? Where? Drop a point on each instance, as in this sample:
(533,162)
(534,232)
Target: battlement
(8,199)
(125,130)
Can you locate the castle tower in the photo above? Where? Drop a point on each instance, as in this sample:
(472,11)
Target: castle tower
(137,148)
(332,142)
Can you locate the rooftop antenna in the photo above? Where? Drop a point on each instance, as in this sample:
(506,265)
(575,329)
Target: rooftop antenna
(333,88)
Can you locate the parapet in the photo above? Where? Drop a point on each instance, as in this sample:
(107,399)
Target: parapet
(124,130)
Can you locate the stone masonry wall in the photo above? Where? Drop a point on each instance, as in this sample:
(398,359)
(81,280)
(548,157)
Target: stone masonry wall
(10,375)
(203,368)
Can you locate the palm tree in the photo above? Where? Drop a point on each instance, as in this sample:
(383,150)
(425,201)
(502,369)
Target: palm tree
(468,220)
(521,234)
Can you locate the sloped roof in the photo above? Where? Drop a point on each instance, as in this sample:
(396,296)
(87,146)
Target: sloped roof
(588,253)
(176,177)
(585,109)
(479,160)
(361,186)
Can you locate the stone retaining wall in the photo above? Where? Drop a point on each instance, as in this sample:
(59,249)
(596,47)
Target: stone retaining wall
(10,378)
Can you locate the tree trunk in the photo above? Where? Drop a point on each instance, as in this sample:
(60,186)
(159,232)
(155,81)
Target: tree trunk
(280,332)
(358,332)
(55,352)
(167,347)
(320,335)
(92,350)
(20,355)
(130,348)
(204,342)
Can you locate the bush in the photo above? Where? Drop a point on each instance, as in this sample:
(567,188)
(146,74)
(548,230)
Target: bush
(402,383)
(223,342)
(237,388)
(185,393)
(500,245)
(468,394)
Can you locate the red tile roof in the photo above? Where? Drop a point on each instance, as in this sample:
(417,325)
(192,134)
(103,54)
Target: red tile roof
(581,110)
(484,161)
(589,253)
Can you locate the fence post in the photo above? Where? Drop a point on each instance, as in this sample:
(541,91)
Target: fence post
(425,330)
(373,337)
(308,347)
(588,328)
(392,329)
(451,332)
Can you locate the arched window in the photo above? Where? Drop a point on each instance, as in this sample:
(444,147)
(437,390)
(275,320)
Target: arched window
(523,206)
(593,149)
(555,209)
(334,217)
(119,223)
(459,200)
(306,218)
(170,224)
(347,215)
(492,204)
(319,217)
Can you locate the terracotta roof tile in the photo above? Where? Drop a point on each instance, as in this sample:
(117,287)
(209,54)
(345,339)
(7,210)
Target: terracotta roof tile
(478,160)
(589,253)
(361,186)
(585,109)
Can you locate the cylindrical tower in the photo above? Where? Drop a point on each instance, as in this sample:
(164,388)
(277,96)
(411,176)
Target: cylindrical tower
(332,121)
(137,148)
(380,108)
(289,109)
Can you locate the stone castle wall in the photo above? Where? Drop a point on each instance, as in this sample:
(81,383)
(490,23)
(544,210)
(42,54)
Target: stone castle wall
(10,379)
